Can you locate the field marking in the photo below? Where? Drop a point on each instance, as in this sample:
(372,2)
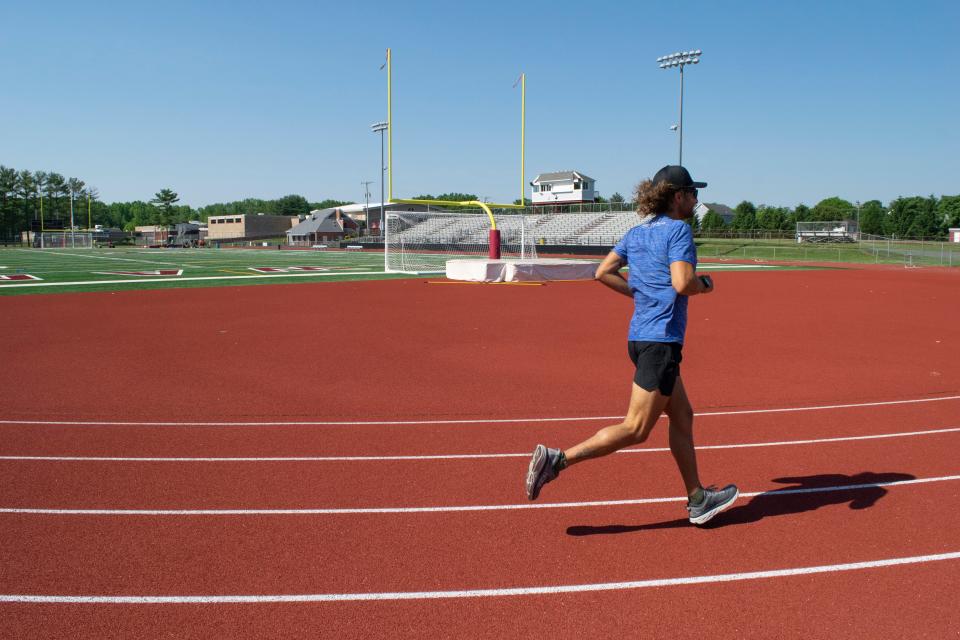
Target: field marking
(450,509)
(82,255)
(705,414)
(196,278)
(722,265)
(483,593)
(462,456)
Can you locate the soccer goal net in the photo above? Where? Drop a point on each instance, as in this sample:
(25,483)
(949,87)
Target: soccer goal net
(63,240)
(422,242)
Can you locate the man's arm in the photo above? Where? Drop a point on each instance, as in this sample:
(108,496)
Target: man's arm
(609,274)
(684,279)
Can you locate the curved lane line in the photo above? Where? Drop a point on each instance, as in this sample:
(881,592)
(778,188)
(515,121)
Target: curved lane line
(495,507)
(484,593)
(434,422)
(464,456)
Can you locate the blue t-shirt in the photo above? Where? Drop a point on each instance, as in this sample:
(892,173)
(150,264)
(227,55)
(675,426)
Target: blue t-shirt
(660,313)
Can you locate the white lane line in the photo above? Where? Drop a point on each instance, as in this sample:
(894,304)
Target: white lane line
(433,422)
(482,593)
(462,456)
(709,266)
(450,509)
(197,278)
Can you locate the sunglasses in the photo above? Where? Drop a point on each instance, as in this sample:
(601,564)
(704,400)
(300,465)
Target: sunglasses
(695,192)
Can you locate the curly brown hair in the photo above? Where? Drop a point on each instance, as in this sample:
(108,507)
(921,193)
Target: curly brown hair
(653,198)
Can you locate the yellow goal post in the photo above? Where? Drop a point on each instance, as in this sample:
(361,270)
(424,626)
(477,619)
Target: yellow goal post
(494,252)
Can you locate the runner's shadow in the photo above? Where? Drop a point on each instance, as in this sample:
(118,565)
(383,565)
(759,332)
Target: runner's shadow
(805,493)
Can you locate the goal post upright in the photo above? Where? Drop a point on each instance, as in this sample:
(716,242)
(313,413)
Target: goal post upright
(494,235)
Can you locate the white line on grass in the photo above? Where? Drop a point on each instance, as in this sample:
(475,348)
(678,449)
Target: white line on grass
(313,423)
(169,279)
(482,593)
(461,456)
(449,509)
(99,257)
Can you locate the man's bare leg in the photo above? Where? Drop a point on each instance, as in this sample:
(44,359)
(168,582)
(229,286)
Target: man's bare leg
(644,411)
(681,437)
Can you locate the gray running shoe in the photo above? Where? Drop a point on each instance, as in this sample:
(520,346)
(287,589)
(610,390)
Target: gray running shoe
(713,502)
(541,470)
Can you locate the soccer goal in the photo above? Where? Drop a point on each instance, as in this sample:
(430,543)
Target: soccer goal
(423,242)
(63,240)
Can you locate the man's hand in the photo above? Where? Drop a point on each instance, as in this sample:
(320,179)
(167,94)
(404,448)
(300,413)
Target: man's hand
(707,283)
(684,279)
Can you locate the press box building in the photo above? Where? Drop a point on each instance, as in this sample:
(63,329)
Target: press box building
(563,187)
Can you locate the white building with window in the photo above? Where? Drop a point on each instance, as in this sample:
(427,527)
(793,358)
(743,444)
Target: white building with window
(563,187)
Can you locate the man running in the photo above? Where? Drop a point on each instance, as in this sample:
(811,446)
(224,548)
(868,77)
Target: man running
(663,261)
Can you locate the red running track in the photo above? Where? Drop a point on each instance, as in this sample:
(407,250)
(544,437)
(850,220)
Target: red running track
(770,340)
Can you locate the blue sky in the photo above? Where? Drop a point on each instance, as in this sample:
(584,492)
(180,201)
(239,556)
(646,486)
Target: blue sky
(792,101)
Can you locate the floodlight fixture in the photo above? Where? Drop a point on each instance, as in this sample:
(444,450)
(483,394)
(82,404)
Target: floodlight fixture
(680,59)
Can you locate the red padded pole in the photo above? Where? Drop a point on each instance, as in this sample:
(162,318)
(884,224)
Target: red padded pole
(494,244)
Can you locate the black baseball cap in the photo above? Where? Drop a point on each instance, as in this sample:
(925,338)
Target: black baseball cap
(677,176)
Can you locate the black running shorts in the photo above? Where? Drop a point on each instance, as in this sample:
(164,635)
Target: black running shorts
(658,364)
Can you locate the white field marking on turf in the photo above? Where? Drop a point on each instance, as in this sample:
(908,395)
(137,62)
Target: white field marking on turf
(482,593)
(462,456)
(451,509)
(168,279)
(96,423)
(81,255)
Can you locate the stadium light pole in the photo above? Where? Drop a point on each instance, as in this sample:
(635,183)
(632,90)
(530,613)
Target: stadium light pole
(380,127)
(680,59)
(366,203)
(858,221)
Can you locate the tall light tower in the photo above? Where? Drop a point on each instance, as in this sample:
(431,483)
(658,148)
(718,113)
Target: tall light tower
(366,203)
(680,59)
(380,127)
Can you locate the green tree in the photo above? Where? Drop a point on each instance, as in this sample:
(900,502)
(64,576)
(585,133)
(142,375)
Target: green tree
(771,218)
(948,209)
(834,208)
(616,197)
(163,201)
(56,190)
(871,217)
(926,223)
(291,205)
(712,221)
(912,217)
(28,192)
(10,213)
(328,204)
(744,216)
(75,189)
(449,197)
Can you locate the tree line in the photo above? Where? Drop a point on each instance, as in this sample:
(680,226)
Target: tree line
(25,196)
(905,217)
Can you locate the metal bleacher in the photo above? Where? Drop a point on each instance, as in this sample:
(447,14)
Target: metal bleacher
(603,228)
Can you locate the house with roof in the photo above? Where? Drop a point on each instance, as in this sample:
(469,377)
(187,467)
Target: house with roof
(323,225)
(722,210)
(563,187)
